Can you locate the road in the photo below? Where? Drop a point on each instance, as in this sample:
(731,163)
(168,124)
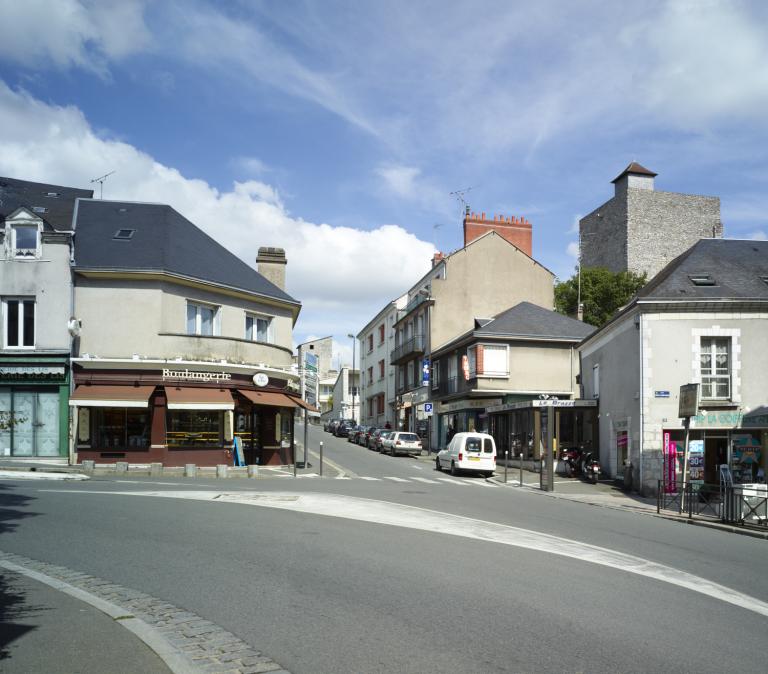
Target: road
(399,568)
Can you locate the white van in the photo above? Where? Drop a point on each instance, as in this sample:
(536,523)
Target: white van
(474,452)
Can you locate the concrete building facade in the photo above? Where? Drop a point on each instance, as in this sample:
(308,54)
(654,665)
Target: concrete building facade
(702,320)
(642,229)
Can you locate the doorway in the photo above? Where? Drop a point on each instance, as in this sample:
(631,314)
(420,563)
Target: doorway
(715,454)
(30,425)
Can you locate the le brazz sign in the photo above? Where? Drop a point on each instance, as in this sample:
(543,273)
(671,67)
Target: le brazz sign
(45,373)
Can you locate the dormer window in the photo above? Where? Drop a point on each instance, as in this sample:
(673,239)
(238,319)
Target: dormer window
(702,279)
(25,241)
(124,234)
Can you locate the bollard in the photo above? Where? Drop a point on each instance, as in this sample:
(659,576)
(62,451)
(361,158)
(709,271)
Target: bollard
(121,467)
(190,470)
(221,470)
(506,464)
(521,469)
(89,467)
(321,458)
(253,470)
(155,469)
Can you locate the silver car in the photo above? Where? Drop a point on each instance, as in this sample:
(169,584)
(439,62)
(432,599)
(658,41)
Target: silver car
(401,442)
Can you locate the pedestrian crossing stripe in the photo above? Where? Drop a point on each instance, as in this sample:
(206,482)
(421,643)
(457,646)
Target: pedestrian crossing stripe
(438,480)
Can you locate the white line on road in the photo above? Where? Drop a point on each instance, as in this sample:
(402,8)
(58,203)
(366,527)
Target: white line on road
(375,479)
(460,483)
(410,517)
(424,479)
(396,479)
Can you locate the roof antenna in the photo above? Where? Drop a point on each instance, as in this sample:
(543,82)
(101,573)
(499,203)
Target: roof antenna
(459,194)
(101,183)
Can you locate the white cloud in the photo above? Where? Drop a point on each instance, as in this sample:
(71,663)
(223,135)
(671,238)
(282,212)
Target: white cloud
(759,235)
(71,33)
(572,250)
(330,269)
(408,183)
(253,166)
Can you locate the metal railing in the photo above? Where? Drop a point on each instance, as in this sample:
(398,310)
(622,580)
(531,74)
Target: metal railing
(737,504)
(409,347)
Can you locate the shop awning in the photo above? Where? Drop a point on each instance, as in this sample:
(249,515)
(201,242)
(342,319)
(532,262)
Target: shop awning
(268,398)
(303,403)
(111,396)
(190,398)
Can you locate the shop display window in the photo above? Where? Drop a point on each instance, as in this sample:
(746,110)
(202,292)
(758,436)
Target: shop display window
(194,428)
(121,428)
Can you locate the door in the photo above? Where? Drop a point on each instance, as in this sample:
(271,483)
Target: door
(23,431)
(34,428)
(46,425)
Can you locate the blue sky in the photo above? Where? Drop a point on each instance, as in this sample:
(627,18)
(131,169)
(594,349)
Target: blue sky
(338,130)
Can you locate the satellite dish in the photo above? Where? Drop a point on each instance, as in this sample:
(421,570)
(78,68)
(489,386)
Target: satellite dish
(74,325)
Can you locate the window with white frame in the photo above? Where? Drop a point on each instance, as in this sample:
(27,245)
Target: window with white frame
(202,319)
(18,323)
(495,360)
(715,368)
(258,328)
(25,241)
(596,381)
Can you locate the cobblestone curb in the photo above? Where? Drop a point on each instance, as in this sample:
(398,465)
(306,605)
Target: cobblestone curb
(185,641)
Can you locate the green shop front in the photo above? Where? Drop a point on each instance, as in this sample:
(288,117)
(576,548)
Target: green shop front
(34,406)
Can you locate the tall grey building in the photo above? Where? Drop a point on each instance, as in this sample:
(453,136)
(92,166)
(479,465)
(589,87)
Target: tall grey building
(641,229)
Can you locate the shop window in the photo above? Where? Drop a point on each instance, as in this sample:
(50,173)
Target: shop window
(194,428)
(202,319)
(18,323)
(258,328)
(715,368)
(121,428)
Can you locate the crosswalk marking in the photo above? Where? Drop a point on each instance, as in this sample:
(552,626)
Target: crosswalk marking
(450,481)
(375,479)
(396,479)
(424,479)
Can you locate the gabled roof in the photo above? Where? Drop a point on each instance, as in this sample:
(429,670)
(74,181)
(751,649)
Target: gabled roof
(530,320)
(53,204)
(735,268)
(635,169)
(162,241)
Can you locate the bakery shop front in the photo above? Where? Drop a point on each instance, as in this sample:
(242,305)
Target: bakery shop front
(177,413)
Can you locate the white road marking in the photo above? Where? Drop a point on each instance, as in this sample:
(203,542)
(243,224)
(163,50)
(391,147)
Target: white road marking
(342,477)
(375,479)
(410,517)
(450,481)
(39,475)
(424,479)
(479,483)
(396,479)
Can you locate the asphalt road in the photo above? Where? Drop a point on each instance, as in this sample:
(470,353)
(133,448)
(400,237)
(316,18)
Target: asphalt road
(380,583)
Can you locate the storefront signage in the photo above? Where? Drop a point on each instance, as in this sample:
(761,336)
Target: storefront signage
(728,420)
(425,372)
(467,405)
(689,401)
(190,375)
(32,372)
(696,461)
(260,379)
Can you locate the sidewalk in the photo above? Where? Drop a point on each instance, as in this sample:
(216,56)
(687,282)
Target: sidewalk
(45,630)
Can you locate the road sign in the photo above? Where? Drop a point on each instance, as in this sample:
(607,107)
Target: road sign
(427,408)
(689,400)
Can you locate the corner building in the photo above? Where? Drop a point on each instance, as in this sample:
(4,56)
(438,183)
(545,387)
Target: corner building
(183,347)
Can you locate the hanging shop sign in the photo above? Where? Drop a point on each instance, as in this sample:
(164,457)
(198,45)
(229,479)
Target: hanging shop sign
(191,375)
(33,373)
(425,372)
(260,379)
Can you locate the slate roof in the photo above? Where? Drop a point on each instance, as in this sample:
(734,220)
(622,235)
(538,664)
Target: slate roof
(530,320)
(635,169)
(737,268)
(163,241)
(15,194)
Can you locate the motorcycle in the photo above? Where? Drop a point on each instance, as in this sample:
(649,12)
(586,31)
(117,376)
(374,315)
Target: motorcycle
(590,468)
(571,458)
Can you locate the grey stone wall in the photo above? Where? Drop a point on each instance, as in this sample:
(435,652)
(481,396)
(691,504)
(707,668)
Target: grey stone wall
(641,229)
(604,235)
(663,225)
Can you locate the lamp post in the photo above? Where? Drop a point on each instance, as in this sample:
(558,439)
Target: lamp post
(354,342)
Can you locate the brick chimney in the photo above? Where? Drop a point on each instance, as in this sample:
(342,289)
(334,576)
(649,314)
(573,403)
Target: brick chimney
(270,263)
(517,231)
(437,258)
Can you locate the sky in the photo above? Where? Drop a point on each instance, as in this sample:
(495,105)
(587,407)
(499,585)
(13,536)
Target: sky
(341,131)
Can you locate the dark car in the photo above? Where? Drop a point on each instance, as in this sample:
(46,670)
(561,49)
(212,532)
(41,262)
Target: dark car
(342,430)
(354,432)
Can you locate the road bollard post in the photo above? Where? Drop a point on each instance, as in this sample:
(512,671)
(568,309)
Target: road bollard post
(521,469)
(506,464)
(321,458)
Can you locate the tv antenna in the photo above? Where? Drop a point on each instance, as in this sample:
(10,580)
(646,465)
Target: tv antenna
(101,180)
(459,195)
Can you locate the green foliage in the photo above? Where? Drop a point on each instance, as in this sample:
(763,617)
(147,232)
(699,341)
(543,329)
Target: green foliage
(602,293)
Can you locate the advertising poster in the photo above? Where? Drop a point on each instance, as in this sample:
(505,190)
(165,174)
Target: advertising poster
(696,461)
(670,465)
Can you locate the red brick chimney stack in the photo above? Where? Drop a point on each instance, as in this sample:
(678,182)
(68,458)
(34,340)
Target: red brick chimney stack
(436,259)
(517,231)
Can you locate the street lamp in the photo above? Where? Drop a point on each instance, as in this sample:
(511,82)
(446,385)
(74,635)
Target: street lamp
(354,342)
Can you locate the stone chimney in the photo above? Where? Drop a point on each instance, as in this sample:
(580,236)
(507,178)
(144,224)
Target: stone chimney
(635,176)
(517,231)
(270,263)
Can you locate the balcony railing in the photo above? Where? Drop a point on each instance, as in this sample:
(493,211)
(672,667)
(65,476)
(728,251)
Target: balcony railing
(411,347)
(420,298)
(448,386)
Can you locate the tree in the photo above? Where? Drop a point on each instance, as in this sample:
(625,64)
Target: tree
(602,293)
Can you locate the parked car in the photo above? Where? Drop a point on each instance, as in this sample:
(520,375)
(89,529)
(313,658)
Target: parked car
(333,424)
(475,452)
(354,433)
(342,430)
(401,442)
(378,444)
(368,437)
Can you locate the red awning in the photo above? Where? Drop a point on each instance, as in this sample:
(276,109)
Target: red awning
(270,398)
(191,398)
(303,403)
(111,396)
